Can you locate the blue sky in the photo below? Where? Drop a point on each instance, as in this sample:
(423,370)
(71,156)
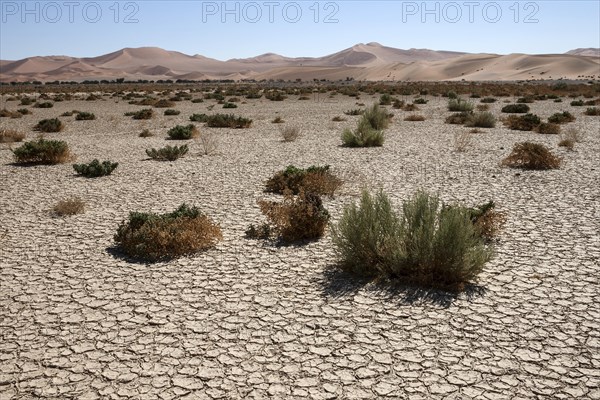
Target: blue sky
(237,29)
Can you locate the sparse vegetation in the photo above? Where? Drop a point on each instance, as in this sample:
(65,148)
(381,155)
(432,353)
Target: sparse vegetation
(229,105)
(355,111)
(49,125)
(314,179)
(181,132)
(42,151)
(427,244)
(561,118)
(208,142)
(527,122)
(162,103)
(95,168)
(262,231)
(168,153)
(227,121)
(45,104)
(337,118)
(481,120)
(370,129)
(458,118)
(529,155)
(85,116)
(67,207)
(154,237)
(460,105)
(4,113)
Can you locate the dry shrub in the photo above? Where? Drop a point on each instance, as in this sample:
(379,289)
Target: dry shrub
(483,119)
(527,122)
(574,134)
(486,220)
(278,120)
(297,217)
(414,117)
(337,118)
(70,206)
(10,114)
(155,237)
(290,133)
(458,118)
(208,142)
(529,155)
(569,144)
(11,136)
(313,179)
(482,107)
(410,107)
(462,141)
(548,128)
(146,133)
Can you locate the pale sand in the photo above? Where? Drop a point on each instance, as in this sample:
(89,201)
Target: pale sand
(249,319)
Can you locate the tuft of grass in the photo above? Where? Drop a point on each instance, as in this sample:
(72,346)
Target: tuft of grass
(481,120)
(561,118)
(314,179)
(534,156)
(370,129)
(85,116)
(208,142)
(516,108)
(11,136)
(154,237)
(462,141)
(414,117)
(68,207)
(568,143)
(49,125)
(420,100)
(460,105)
(428,244)
(181,132)
(290,133)
(337,118)
(298,217)
(527,122)
(168,153)
(42,151)
(95,168)
(227,121)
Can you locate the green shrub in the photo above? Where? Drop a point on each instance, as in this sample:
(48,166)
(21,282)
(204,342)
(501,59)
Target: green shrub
(516,108)
(592,111)
(85,116)
(146,113)
(363,136)
(481,120)
(171,111)
(229,105)
(548,128)
(535,156)
(199,117)
(377,118)
(168,153)
(577,103)
(43,151)
(227,121)
(26,111)
(297,217)
(314,179)
(527,99)
(420,100)
(561,118)
(155,237)
(180,132)
(45,104)
(527,122)
(488,100)
(460,105)
(428,244)
(49,125)
(262,231)
(26,101)
(95,168)
(385,99)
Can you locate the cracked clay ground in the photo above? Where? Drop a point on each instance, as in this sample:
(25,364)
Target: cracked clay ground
(252,320)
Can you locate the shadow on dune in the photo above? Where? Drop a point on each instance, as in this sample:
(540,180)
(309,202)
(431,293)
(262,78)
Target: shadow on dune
(336,283)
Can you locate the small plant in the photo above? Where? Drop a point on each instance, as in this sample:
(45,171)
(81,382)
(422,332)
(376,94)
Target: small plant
(568,143)
(262,231)
(486,220)
(26,101)
(592,111)
(155,237)
(208,142)
(24,111)
(427,244)
(49,125)
(95,168)
(146,113)
(526,99)
(68,207)
(146,133)
(414,117)
(168,153)
(229,105)
(276,96)
(420,100)
(527,122)
(573,136)
(181,132)
(314,179)
(577,103)
(535,156)
(488,100)
(43,151)
(355,111)
(297,217)
(548,128)
(171,111)
(410,107)
(363,136)
(481,120)
(516,108)
(290,133)
(45,104)
(199,117)
(11,136)
(460,105)
(561,118)
(163,103)
(458,118)
(398,104)
(482,107)
(4,113)
(462,141)
(227,121)
(337,118)
(85,116)
(385,99)
(278,120)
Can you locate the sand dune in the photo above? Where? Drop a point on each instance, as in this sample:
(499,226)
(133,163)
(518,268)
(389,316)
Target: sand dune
(370,61)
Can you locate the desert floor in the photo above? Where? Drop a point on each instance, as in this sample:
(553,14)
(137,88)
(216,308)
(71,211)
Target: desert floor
(253,319)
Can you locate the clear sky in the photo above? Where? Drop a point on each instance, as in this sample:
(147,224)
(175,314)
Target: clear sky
(238,29)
